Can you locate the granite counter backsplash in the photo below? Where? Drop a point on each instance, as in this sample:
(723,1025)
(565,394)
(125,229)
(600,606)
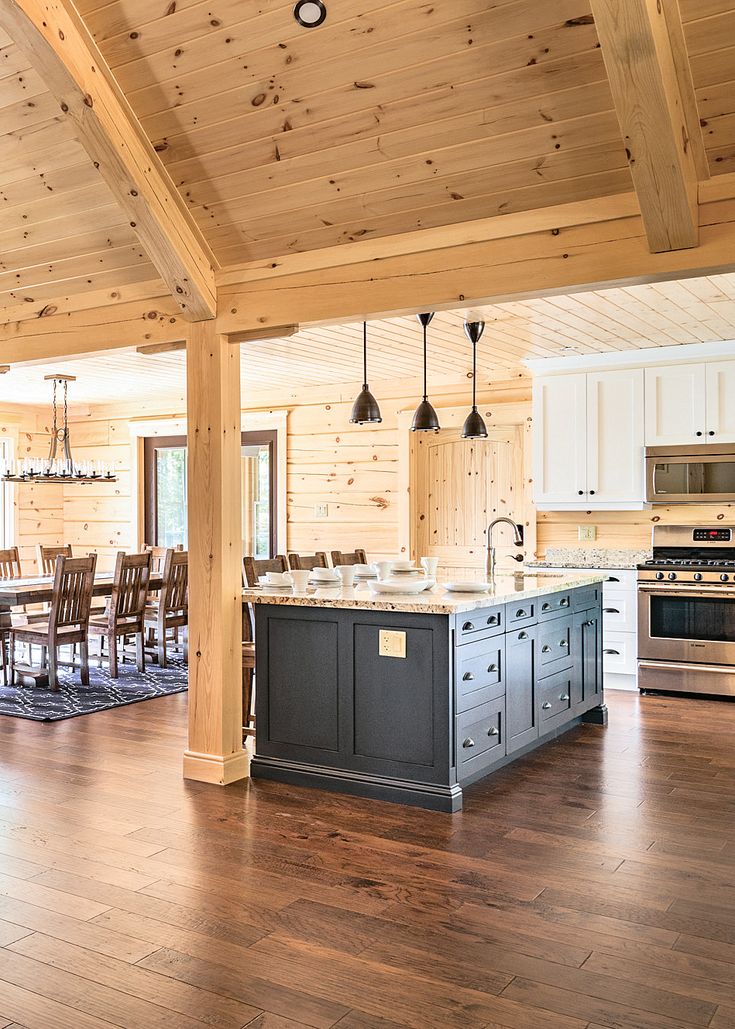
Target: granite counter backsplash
(590,557)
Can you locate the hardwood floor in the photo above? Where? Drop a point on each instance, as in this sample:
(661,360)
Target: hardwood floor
(591,885)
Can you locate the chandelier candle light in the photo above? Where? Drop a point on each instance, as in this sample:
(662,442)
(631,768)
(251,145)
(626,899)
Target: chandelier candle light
(59,466)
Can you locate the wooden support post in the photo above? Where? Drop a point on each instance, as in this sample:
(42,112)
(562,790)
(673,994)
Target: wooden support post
(215,752)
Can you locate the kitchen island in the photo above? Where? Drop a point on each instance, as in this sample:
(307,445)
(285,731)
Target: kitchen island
(411,698)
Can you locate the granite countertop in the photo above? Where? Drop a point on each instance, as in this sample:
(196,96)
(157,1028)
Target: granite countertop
(437,601)
(590,557)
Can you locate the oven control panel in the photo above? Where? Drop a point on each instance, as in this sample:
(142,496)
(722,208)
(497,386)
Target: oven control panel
(712,535)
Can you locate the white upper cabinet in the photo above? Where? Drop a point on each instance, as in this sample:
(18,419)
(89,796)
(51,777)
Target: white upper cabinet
(588,440)
(559,437)
(615,437)
(720,394)
(676,405)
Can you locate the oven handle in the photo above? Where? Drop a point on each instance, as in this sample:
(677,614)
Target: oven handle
(699,591)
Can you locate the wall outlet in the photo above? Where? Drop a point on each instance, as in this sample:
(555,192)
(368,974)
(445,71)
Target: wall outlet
(321,510)
(392,643)
(586,533)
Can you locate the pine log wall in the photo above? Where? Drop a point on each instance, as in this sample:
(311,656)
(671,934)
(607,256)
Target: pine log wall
(355,470)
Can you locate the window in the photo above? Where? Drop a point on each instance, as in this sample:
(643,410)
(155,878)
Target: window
(166,486)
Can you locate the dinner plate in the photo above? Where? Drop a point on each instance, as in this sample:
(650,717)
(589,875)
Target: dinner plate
(410,586)
(467,587)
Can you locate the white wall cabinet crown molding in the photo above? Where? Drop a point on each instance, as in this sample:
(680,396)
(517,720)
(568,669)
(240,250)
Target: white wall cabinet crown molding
(649,357)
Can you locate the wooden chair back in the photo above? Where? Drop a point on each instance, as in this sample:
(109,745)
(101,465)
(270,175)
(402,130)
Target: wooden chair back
(252,567)
(357,557)
(10,564)
(46,557)
(308,561)
(130,587)
(72,596)
(158,555)
(174,596)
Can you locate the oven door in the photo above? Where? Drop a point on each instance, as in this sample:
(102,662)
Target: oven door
(683,623)
(675,479)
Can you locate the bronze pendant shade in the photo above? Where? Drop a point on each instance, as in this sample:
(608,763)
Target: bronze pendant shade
(365,410)
(425,418)
(474,426)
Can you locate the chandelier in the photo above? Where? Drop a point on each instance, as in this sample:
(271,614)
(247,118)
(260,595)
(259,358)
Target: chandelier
(59,466)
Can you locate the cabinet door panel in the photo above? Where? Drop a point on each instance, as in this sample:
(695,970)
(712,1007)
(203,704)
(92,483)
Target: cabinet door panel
(520,688)
(559,431)
(675,405)
(615,436)
(720,376)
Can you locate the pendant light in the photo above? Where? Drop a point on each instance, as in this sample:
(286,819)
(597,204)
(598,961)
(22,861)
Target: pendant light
(365,409)
(474,426)
(425,419)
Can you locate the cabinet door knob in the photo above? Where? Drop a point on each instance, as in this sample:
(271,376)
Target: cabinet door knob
(581,492)
(546,649)
(588,624)
(522,635)
(700,434)
(711,432)
(611,611)
(592,493)
(493,731)
(616,652)
(564,697)
(545,706)
(468,743)
(467,626)
(492,668)
(468,677)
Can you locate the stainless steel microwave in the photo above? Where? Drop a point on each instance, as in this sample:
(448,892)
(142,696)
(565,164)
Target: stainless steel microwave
(692,474)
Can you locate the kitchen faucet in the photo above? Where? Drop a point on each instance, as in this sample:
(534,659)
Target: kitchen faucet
(517,539)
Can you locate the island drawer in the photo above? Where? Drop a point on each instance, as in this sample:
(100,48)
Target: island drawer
(586,597)
(555,698)
(480,673)
(487,621)
(553,605)
(520,612)
(555,645)
(480,737)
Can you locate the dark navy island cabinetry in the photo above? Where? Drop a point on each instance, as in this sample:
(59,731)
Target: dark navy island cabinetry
(340,707)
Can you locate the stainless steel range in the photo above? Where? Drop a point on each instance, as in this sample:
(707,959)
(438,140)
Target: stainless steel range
(686,611)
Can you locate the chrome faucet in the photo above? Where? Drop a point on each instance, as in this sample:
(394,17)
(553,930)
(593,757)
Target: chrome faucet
(517,539)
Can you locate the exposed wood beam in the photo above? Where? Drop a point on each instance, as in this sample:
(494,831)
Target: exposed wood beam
(57,44)
(646,86)
(683,68)
(151,349)
(215,751)
(257,335)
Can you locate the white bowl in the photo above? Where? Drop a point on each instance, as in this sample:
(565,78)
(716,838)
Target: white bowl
(466,586)
(404,566)
(324,575)
(407,586)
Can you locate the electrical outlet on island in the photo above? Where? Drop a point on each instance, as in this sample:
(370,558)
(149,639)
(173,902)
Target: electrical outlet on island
(586,533)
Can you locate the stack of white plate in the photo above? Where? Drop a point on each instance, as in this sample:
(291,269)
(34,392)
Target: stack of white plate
(324,577)
(406,584)
(365,572)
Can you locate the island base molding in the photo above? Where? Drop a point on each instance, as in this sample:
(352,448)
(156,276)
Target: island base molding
(398,791)
(212,768)
(597,716)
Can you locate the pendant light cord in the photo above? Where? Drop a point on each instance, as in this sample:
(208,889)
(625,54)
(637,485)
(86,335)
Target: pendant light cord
(364,355)
(425,390)
(474,374)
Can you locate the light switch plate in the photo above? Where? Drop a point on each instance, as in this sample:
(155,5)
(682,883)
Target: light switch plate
(392,643)
(321,510)
(586,533)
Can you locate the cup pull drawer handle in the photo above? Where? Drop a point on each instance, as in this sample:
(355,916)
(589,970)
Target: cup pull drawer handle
(564,697)
(546,649)
(493,731)
(467,626)
(616,652)
(545,706)
(493,620)
(468,677)
(521,613)
(492,668)
(564,602)
(468,743)
(546,607)
(611,611)
(563,643)
(522,635)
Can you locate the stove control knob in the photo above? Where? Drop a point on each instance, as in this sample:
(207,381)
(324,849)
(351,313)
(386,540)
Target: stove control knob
(659,575)
(672,575)
(724,577)
(697,576)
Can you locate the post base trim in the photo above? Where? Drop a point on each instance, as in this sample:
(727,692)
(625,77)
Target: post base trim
(215,768)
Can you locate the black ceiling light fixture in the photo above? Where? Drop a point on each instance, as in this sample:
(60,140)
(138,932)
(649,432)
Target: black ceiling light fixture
(474,426)
(425,419)
(310,13)
(365,410)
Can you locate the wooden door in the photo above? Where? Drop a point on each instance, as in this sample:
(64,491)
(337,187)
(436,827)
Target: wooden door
(460,486)
(675,405)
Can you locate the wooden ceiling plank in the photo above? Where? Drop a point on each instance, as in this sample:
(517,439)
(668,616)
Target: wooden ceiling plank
(59,46)
(640,62)
(74,302)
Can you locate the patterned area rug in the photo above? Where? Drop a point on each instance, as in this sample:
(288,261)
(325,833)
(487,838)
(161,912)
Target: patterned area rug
(72,699)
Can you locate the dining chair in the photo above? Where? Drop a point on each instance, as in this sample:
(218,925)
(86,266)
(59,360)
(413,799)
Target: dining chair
(68,618)
(308,561)
(253,567)
(9,569)
(125,613)
(357,557)
(170,611)
(46,557)
(158,556)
